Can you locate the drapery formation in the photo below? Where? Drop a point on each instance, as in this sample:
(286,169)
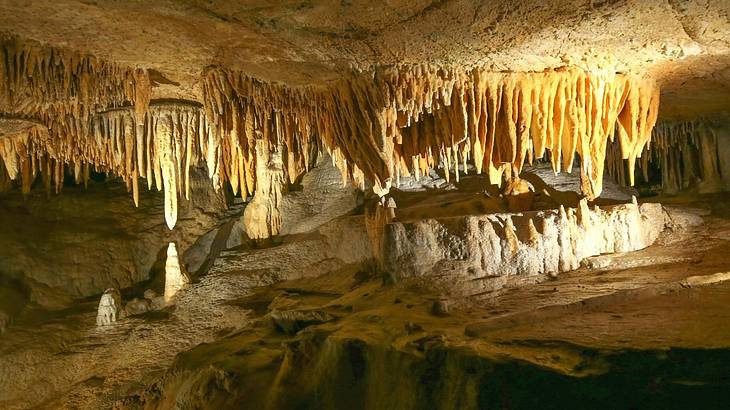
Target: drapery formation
(377,126)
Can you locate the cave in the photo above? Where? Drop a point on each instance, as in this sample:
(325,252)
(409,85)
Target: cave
(401,204)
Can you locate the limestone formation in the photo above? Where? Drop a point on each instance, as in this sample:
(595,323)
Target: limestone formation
(407,119)
(262,217)
(137,306)
(175,277)
(110,308)
(364,204)
(413,119)
(687,154)
(478,253)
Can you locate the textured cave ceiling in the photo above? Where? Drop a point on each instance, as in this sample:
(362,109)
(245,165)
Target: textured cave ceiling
(684,45)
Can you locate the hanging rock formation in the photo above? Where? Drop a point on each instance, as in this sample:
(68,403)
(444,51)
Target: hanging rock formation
(402,120)
(687,154)
(376,125)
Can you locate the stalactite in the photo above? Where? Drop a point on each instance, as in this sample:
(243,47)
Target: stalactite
(376,125)
(164,151)
(63,86)
(684,152)
(405,120)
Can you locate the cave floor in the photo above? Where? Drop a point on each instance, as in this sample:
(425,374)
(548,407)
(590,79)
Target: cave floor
(582,326)
(65,361)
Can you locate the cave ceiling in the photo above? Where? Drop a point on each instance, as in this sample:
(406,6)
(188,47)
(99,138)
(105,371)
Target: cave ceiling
(684,45)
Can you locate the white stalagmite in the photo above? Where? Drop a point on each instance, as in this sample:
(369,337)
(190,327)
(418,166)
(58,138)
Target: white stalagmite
(175,276)
(110,308)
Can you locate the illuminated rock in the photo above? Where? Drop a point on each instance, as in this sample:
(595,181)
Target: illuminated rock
(376,126)
(478,253)
(110,308)
(175,277)
(262,216)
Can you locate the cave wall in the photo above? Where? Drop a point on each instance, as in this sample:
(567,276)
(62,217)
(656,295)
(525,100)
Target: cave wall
(86,240)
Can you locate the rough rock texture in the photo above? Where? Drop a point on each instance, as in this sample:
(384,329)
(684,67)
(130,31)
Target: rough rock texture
(474,254)
(4,321)
(304,42)
(625,336)
(87,240)
(332,246)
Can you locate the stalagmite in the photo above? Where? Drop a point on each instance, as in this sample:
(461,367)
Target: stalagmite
(262,218)
(110,308)
(175,277)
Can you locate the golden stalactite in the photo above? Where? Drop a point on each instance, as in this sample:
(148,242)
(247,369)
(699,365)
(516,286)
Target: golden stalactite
(377,126)
(402,121)
(169,142)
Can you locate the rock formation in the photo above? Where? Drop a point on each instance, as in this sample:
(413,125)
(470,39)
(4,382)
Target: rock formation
(473,254)
(411,119)
(364,204)
(110,308)
(262,216)
(687,154)
(175,277)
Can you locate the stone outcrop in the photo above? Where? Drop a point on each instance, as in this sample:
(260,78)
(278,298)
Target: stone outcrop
(478,253)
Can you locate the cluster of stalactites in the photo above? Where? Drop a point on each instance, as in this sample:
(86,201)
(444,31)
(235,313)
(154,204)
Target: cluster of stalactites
(399,121)
(244,110)
(499,121)
(171,138)
(684,152)
(18,160)
(56,85)
(376,126)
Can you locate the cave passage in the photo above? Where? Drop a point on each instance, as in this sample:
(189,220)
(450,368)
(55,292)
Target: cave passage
(364,204)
